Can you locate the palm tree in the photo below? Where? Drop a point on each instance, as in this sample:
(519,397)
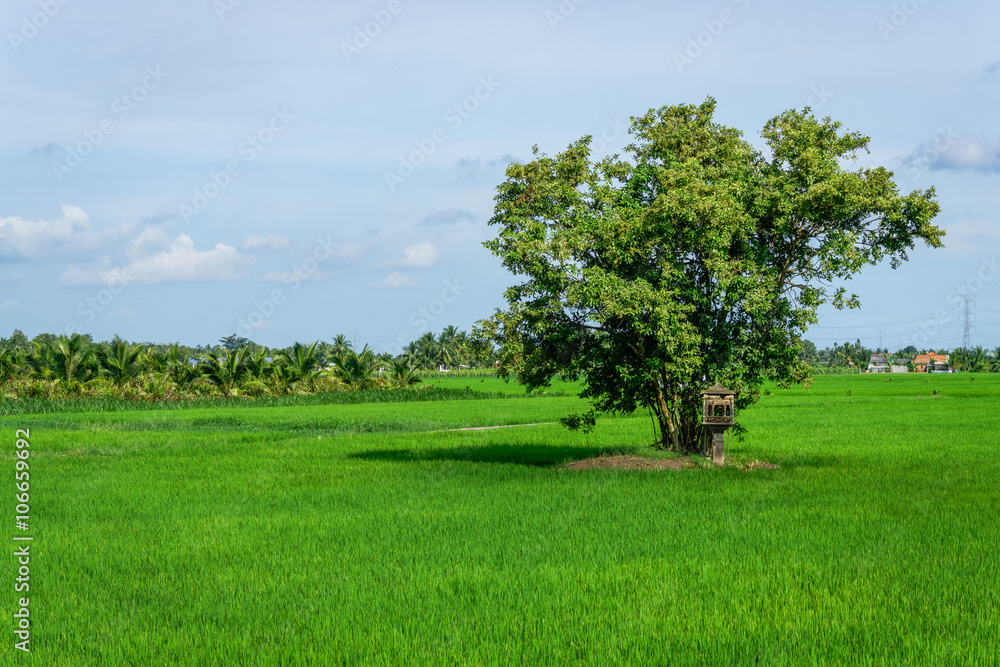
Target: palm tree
(301,363)
(38,362)
(462,344)
(860,355)
(340,345)
(424,351)
(959,358)
(841,355)
(978,360)
(357,369)
(155,359)
(446,347)
(179,368)
(403,375)
(278,378)
(227,372)
(258,364)
(444,351)
(71,360)
(10,365)
(411,353)
(121,361)
(409,356)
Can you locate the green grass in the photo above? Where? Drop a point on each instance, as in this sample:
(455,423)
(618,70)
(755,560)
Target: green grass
(499,385)
(369,534)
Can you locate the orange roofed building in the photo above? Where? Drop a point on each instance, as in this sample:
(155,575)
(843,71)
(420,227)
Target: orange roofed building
(932,363)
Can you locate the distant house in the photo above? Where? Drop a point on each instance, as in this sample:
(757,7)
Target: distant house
(878,363)
(932,363)
(900,366)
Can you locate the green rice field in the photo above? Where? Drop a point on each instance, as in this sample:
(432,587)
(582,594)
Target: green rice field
(356,531)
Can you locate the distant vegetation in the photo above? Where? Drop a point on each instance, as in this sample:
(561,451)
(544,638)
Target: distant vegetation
(850,357)
(61,367)
(50,366)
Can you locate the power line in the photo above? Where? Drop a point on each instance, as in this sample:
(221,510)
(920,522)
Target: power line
(888,324)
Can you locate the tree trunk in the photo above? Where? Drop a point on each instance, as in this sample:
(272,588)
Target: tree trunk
(681,429)
(668,428)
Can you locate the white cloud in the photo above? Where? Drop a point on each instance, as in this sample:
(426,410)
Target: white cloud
(320,264)
(14,274)
(7,305)
(271,242)
(181,262)
(971,152)
(294,278)
(396,280)
(448,216)
(348,251)
(420,256)
(149,241)
(68,235)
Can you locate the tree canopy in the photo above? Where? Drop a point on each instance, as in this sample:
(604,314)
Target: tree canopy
(692,259)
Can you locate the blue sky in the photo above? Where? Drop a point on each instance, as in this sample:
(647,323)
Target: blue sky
(181,171)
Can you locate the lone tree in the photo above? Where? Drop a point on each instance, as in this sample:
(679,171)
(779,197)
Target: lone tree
(234,342)
(694,259)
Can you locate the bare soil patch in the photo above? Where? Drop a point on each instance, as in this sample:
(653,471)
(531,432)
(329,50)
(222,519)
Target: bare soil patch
(626,462)
(631,462)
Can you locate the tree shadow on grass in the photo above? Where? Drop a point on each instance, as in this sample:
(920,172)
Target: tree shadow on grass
(529,455)
(809,461)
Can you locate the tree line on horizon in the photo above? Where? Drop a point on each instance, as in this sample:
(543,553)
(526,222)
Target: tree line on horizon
(56,366)
(856,355)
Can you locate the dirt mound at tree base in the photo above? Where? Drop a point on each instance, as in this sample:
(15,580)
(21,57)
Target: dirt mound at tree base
(631,462)
(626,462)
